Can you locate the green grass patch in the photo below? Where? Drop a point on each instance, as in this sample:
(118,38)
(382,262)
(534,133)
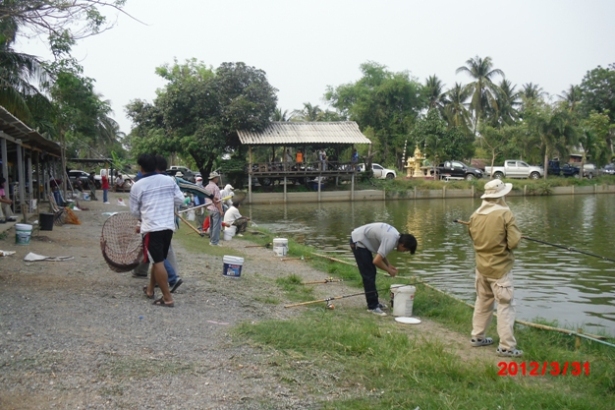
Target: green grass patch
(138,368)
(384,368)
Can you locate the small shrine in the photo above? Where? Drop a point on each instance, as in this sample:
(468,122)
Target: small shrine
(413,167)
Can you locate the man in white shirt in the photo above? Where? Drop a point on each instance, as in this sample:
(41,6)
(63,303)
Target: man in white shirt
(233,217)
(119,182)
(379,238)
(153,199)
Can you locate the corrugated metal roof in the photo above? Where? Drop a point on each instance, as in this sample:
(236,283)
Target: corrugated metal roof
(300,133)
(13,127)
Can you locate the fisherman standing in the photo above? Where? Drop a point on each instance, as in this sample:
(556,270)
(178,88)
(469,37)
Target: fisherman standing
(494,231)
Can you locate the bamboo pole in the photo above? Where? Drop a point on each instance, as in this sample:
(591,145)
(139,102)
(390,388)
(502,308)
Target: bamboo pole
(190,225)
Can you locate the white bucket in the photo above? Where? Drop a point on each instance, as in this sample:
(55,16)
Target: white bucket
(23,233)
(280,246)
(229,232)
(393,288)
(232,266)
(404,300)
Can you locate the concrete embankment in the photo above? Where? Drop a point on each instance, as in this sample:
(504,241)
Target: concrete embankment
(444,193)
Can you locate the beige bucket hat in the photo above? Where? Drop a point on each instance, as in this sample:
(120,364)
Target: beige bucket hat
(496,189)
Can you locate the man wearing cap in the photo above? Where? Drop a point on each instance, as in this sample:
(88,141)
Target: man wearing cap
(494,231)
(215,209)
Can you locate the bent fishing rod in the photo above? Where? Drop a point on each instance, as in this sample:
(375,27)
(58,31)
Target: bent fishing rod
(568,248)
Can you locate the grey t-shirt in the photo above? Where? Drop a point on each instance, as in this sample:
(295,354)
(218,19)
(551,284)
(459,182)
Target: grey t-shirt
(377,237)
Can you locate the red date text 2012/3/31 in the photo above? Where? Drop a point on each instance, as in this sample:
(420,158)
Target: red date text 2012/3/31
(543,369)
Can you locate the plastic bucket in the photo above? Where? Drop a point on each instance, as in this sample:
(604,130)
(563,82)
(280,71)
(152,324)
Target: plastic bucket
(280,246)
(232,266)
(404,300)
(229,232)
(23,233)
(46,222)
(393,288)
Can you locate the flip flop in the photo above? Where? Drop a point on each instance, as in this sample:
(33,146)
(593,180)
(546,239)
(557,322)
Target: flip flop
(146,295)
(161,302)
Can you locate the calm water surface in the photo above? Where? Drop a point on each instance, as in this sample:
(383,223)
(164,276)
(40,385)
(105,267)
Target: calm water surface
(551,283)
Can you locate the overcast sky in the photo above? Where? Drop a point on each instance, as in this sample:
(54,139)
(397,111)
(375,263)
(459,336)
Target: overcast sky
(304,46)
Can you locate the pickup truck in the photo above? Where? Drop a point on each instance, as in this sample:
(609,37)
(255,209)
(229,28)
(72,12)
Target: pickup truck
(565,170)
(457,170)
(514,168)
(189,175)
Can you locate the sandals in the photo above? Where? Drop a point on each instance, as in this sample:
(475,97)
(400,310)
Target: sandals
(146,294)
(509,353)
(481,342)
(161,302)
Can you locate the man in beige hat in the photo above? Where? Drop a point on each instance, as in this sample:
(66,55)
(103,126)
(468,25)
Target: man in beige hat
(494,231)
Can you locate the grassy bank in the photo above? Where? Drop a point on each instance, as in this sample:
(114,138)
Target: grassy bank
(354,360)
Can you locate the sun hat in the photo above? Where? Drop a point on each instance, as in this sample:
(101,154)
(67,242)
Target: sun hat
(496,189)
(179,174)
(213,175)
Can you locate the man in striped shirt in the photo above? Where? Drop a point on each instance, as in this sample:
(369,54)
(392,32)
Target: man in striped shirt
(153,199)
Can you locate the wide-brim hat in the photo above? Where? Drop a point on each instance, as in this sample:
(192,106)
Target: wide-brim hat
(213,175)
(496,189)
(179,174)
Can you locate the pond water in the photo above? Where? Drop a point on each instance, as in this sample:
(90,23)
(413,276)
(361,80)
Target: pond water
(550,283)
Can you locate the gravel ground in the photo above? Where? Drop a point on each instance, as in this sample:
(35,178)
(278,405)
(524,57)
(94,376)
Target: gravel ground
(75,335)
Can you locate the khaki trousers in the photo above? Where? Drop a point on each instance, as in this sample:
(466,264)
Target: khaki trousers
(489,291)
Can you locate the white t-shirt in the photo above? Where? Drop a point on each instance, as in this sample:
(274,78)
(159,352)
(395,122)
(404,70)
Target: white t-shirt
(231,215)
(153,199)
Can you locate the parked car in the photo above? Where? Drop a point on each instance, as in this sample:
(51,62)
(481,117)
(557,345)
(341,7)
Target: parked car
(380,172)
(75,175)
(609,169)
(514,168)
(565,170)
(458,170)
(189,175)
(590,171)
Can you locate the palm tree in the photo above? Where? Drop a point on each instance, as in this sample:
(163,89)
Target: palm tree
(281,116)
(18,72)
(532,91)
(482,71)
(571,97)
(434,93)
(456,109)
(506,102)
(309,113)
(554,129)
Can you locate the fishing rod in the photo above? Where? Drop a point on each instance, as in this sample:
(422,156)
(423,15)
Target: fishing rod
(327,280)
(568,248)
(331,298)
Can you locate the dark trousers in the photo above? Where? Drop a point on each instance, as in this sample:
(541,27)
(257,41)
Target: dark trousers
(367,269)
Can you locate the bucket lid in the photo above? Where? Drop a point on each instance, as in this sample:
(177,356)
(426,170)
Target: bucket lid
(236,260)
(408,320)
(23,227)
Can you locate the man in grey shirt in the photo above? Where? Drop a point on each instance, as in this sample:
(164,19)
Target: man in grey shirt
(379,238)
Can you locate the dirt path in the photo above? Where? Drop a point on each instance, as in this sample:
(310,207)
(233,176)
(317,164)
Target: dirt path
(74,335)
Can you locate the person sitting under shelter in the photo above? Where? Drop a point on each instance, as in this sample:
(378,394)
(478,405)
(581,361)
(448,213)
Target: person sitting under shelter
(119,182)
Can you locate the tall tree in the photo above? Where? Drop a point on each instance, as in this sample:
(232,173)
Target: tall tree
(482,72)
(203,109)
(384,101)
(456,109)
(554,128)
(309,113)
(572,97)
(598,91)
(504,111)
(433,92)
